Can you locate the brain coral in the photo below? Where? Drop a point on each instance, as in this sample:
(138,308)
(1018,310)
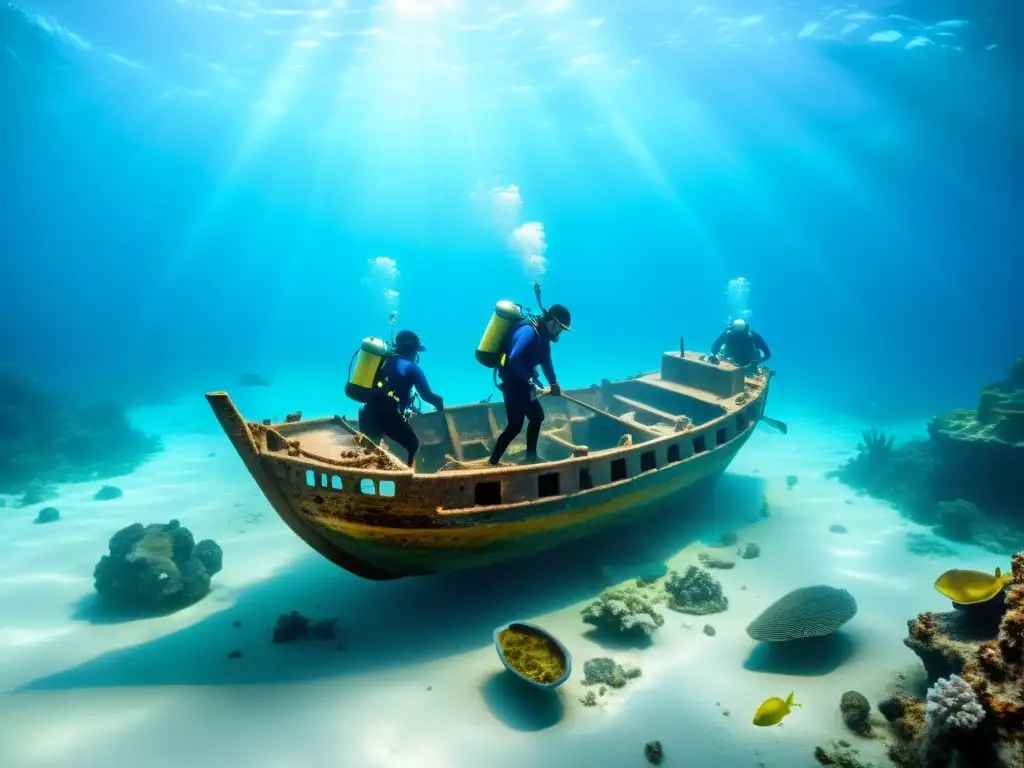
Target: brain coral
(805,612)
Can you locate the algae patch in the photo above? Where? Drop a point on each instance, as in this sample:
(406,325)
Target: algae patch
(532,655)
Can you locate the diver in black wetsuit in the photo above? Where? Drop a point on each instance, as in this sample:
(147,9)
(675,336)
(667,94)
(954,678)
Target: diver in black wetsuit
(528,346)
(741,345)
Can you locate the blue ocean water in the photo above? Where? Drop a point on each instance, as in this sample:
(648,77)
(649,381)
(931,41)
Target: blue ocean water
(193,191)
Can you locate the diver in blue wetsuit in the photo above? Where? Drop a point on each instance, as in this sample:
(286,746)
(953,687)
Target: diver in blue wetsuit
(385,415)
(528,346)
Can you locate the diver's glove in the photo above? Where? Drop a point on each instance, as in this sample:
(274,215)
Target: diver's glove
(555,389)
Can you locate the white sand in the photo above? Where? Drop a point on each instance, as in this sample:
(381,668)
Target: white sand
(161,692)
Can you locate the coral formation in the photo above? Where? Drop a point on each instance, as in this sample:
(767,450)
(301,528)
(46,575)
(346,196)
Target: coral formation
(952,712)
(943,641)
(628,609)
(156,568)
(976,705)
(45,440)
(533,655)
(696,592)
(855,709)
(952,705)
(604,671)
(806,612)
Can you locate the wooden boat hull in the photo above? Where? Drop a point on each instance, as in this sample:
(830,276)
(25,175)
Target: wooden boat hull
(520,532)
(378,519)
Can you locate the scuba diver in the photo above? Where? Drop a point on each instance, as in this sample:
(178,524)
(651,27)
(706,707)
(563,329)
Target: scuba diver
(385,413)
(741,345)
(526,347)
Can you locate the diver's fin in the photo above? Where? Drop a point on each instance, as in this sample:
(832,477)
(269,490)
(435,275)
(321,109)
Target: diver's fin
(776,424)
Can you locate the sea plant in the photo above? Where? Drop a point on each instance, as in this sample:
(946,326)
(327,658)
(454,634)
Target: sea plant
(876,446)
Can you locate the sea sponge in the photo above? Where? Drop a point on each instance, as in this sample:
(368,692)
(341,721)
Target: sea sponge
(855,708)
(532,655)
(156,568)
(628,609)
(604,671)
(695,591)
(806,612)
(952,705)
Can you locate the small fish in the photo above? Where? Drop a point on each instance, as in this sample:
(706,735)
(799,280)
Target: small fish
(967,587)
(773,710)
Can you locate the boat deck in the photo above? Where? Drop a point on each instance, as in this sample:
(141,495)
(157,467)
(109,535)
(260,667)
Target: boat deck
(586,422)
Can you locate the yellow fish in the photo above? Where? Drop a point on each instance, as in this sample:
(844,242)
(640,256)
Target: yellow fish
(968,587)
(773,710)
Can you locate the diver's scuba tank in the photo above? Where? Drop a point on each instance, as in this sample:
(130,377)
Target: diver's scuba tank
(363,375)
(505,318)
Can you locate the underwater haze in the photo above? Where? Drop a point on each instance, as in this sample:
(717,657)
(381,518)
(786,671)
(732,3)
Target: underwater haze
(199,196)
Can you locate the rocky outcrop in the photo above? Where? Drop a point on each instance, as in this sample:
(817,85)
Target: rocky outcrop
(156,568)
(982,449)
(970,462)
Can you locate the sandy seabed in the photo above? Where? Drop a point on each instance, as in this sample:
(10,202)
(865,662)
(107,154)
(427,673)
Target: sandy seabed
(413,680)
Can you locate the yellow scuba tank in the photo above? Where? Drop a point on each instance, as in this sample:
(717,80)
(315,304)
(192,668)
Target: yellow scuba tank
(363,376)
(505,318)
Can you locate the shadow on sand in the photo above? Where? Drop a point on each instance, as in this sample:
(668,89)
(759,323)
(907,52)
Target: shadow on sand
(813,657)
(387,624)
(521,706)
(619,641)
(91,608)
